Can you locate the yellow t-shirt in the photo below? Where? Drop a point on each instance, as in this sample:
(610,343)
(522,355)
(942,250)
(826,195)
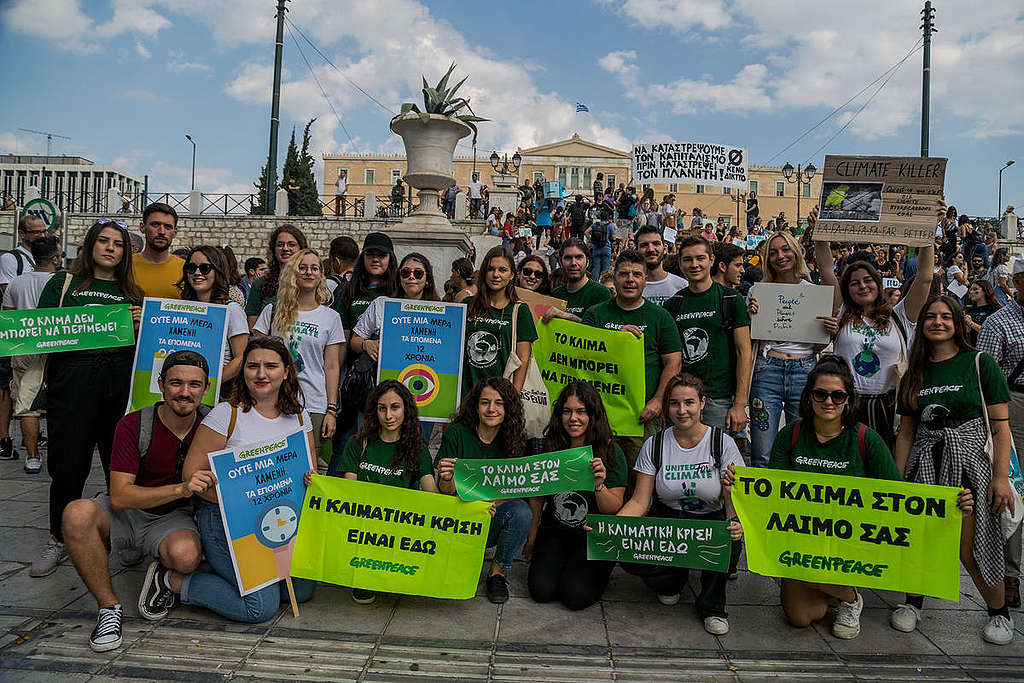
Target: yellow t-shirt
(158,279)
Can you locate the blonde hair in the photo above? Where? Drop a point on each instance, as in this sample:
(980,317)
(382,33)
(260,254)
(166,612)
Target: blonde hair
(800,270)
(286,310)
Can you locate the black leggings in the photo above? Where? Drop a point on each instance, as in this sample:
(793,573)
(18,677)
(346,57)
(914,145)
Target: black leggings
(560,570)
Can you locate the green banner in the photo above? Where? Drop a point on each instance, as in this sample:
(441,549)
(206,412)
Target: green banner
(536,475)
(650,540)
(850,531)
(611,360)
(385,538)
(77,328)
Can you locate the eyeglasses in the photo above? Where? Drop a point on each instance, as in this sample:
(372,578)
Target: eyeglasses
(204,268)
(838,397)
(414,273)
(530,272)
(107,221)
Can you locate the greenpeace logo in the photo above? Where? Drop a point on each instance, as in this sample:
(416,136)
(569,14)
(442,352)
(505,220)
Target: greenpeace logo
(382,566)
(819,462)
(941,389)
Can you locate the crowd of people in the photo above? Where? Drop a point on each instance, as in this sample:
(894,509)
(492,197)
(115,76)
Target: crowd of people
(901,392)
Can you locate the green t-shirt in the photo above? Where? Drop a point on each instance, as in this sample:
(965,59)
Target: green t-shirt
(489,342)
(375,464)
(953,383)
(709,351)
(586,296)
(660,333)
(460,441)
(568,510)
(840,455)
(350,315)
(256,302)
(98,293)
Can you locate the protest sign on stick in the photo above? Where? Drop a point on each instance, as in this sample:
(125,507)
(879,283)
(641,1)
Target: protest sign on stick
(538,303)
(77,328)
(850,531)
(789,312)
(611,360)
(386,538)
(880,200)
(421,346)
(668,542)
(536,475)
(170,325)
(697,163)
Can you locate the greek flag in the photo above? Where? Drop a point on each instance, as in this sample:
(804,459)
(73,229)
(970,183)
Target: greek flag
(581,107)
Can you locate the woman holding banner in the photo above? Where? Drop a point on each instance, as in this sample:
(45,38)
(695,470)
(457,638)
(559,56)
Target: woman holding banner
(204,278)
(284,241)
(265,405)
(559,568)
(953,400)
(490,425)
(682,470)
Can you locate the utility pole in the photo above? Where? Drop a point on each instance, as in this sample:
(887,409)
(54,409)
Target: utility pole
(275,110)
(928,28)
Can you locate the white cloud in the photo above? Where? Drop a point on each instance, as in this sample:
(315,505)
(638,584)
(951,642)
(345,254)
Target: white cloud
(677,15)
(64,25)
(619,62)
(12,142)
(178,64)
(141,50)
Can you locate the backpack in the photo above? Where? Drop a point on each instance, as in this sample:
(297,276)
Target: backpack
(147,425)
(599,235)
(728,305)
(21,259)
(862,430)
(578,212)
(359,381)
(717,445)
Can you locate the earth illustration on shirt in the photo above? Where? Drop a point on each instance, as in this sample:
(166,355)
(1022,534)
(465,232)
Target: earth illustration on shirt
(695,343)
(483,348)
(866,363)
(570,508)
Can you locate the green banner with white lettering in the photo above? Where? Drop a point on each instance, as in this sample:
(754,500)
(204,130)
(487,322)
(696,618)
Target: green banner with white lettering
(77,328)
(535,475)
(851,531)
(649,540)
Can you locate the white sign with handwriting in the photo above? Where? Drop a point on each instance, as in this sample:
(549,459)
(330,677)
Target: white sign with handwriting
(790,312)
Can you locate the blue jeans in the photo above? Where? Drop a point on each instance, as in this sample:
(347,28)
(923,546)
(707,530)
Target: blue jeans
(602,261)
(716,413)
(775,389)
(509,529)
(218,592)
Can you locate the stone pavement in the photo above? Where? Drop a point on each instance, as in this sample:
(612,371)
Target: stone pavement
(45,626)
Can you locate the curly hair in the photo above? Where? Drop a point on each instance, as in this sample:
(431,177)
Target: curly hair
(513,428)
(273,274)
(221,276)
(410,439)
(289,395)
(286,310)
(599,433)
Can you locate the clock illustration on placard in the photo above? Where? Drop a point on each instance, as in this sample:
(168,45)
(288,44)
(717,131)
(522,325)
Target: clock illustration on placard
(277,524)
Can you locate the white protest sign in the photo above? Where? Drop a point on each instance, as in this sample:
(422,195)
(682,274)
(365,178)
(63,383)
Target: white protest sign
(790,312)
(699,163)
(670,235)
(890,282)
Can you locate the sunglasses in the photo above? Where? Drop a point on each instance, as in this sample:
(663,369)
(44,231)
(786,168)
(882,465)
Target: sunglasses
(838,397)
(414,273)
(107,221)
(203,268)
(530,272)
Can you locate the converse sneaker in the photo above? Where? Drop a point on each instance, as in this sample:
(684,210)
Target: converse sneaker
(998,630)
(716,626)
(7,451)
(904,618)
(847,623)
(156,598)
(107,634)
(49,559)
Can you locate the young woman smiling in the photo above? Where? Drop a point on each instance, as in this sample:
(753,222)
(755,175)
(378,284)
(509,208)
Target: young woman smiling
(284,241)
(532,274)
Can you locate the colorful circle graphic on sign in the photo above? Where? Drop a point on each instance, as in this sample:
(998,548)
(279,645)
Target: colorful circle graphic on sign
(422,382)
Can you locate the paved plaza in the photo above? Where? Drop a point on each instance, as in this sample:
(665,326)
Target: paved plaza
(629,636)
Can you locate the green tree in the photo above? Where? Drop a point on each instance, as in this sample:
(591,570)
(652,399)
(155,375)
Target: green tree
(290,173)
(259,206)
(298,167)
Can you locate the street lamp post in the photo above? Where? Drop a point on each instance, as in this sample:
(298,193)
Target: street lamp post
(189,138)
(507,166)
(802,174)
(999,209)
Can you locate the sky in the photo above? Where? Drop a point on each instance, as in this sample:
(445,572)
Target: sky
(126,80)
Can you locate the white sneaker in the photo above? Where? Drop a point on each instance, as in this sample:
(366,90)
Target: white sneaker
(33,465)
(716,626)
(847,623)
(904,618)
(998,630)
(107,634)
(49,560)
(669,599)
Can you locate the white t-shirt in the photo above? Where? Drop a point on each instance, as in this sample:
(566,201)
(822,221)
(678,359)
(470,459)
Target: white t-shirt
(372,320)
(687,479)
(251,427)
(236,325)
(789,347)
(23,292)
(9,264)
(661,291)
(309,337)
(474,189)
(873,355)
(341,186)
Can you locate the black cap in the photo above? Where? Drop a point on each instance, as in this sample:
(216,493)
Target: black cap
(379,242)
(184,357)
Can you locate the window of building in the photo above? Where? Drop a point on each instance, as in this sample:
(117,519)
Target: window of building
(538,176)
(726,190)
(561,176)
(806,189)
(588,182)
(33,178)
(753,186)
(700,189)
(726,220)
(368,176)
(780,188)
(574,178)
(673,187)
(396,174)
(609,179)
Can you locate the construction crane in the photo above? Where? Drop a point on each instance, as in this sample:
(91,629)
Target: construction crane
(49,138)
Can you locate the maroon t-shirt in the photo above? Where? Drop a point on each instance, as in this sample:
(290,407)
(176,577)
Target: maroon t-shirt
(162,464)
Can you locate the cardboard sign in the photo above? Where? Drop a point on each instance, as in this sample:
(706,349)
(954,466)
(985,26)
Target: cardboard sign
(667,542)
(538,303)
(76,328)
(880,200)
(537,475)
(789,312)
(697,163)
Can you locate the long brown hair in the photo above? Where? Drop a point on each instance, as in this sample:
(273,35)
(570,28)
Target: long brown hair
(84,265)
(512,433)
(221,281)
(289,400)
(599,433)
(410,439)
(273,274)
(879,313)
(921,348)
(480,306)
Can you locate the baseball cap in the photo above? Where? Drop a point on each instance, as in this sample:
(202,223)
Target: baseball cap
(184,357)
(378,241)
(1018,266)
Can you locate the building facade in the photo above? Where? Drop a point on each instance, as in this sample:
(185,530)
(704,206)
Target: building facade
(575,163)
(73,184)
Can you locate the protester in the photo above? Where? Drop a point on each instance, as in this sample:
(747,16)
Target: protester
(254,268)
(753,212)
(579,291)
(728,266)
(155,268)
(375,274)
(601,234)
(951,400)
(265,405)
(340,191)
(999,276)
(463,278)
(87,391)
(532,274)
(680,471)
(284,241)
(340,262)
(490,425)
(983,303)
(659,285)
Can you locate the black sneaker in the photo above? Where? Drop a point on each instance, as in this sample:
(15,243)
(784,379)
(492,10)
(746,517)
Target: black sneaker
(40,442)
(362,596)
(156,598)
(497,589)
(7,451)
(107,634)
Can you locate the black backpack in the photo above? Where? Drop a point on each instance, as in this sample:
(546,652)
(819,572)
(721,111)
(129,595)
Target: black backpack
(578,212)
(599,235)
(21,267)
(359,381)
(717,445)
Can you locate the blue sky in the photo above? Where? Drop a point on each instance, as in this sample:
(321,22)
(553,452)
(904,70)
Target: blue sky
(127,79)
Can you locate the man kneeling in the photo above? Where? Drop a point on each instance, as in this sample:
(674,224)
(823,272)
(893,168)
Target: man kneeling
(149,506)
